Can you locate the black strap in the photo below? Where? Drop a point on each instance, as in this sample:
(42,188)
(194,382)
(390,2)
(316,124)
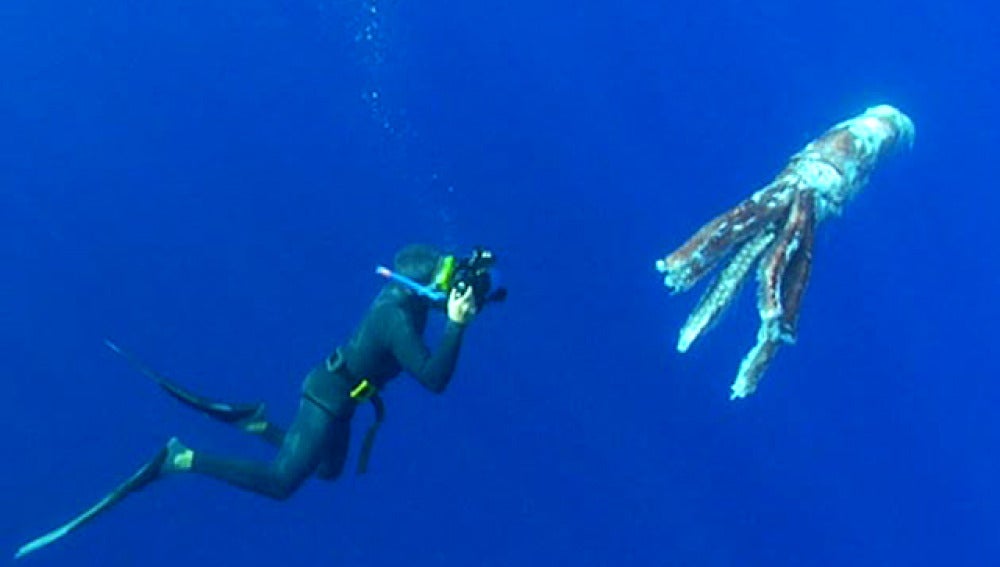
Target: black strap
(369,441)
(335,363)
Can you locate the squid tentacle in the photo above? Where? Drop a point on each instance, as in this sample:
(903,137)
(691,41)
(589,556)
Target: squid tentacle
(796,277)
(720,294)
(688,264)
(782,277)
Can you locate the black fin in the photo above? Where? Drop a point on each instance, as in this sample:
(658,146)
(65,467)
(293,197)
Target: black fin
(139,480)
(236,414)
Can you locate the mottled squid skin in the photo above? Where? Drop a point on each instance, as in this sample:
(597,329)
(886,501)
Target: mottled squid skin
(774,230)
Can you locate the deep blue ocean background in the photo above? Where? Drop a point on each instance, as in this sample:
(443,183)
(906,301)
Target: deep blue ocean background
(211,184)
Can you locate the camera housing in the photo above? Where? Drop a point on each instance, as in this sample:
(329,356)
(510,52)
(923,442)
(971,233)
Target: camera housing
(476,271)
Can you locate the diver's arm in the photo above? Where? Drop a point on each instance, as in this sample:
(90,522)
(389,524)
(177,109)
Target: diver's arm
(432,370)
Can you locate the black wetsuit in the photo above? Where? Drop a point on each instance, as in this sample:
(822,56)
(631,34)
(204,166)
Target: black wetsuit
(388,341)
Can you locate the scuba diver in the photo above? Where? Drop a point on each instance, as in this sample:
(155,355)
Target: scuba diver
(388,340)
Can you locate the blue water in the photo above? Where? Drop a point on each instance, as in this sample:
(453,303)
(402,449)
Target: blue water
(211,184)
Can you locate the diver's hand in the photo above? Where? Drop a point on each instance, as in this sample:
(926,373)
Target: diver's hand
(461,307)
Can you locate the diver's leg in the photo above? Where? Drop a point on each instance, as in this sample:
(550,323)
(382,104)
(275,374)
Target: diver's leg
(304,447)
(272,434)
(251,418)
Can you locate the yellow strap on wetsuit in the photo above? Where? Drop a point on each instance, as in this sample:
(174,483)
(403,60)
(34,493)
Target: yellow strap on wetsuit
(363,391)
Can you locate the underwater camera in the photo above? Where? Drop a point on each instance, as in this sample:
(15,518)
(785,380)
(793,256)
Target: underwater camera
(476,271)
(458,274)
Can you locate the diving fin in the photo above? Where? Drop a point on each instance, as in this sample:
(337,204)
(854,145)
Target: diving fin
(249,417)
(142,478)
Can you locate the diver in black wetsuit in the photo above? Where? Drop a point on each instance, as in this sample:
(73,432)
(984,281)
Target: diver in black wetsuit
(388,341)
